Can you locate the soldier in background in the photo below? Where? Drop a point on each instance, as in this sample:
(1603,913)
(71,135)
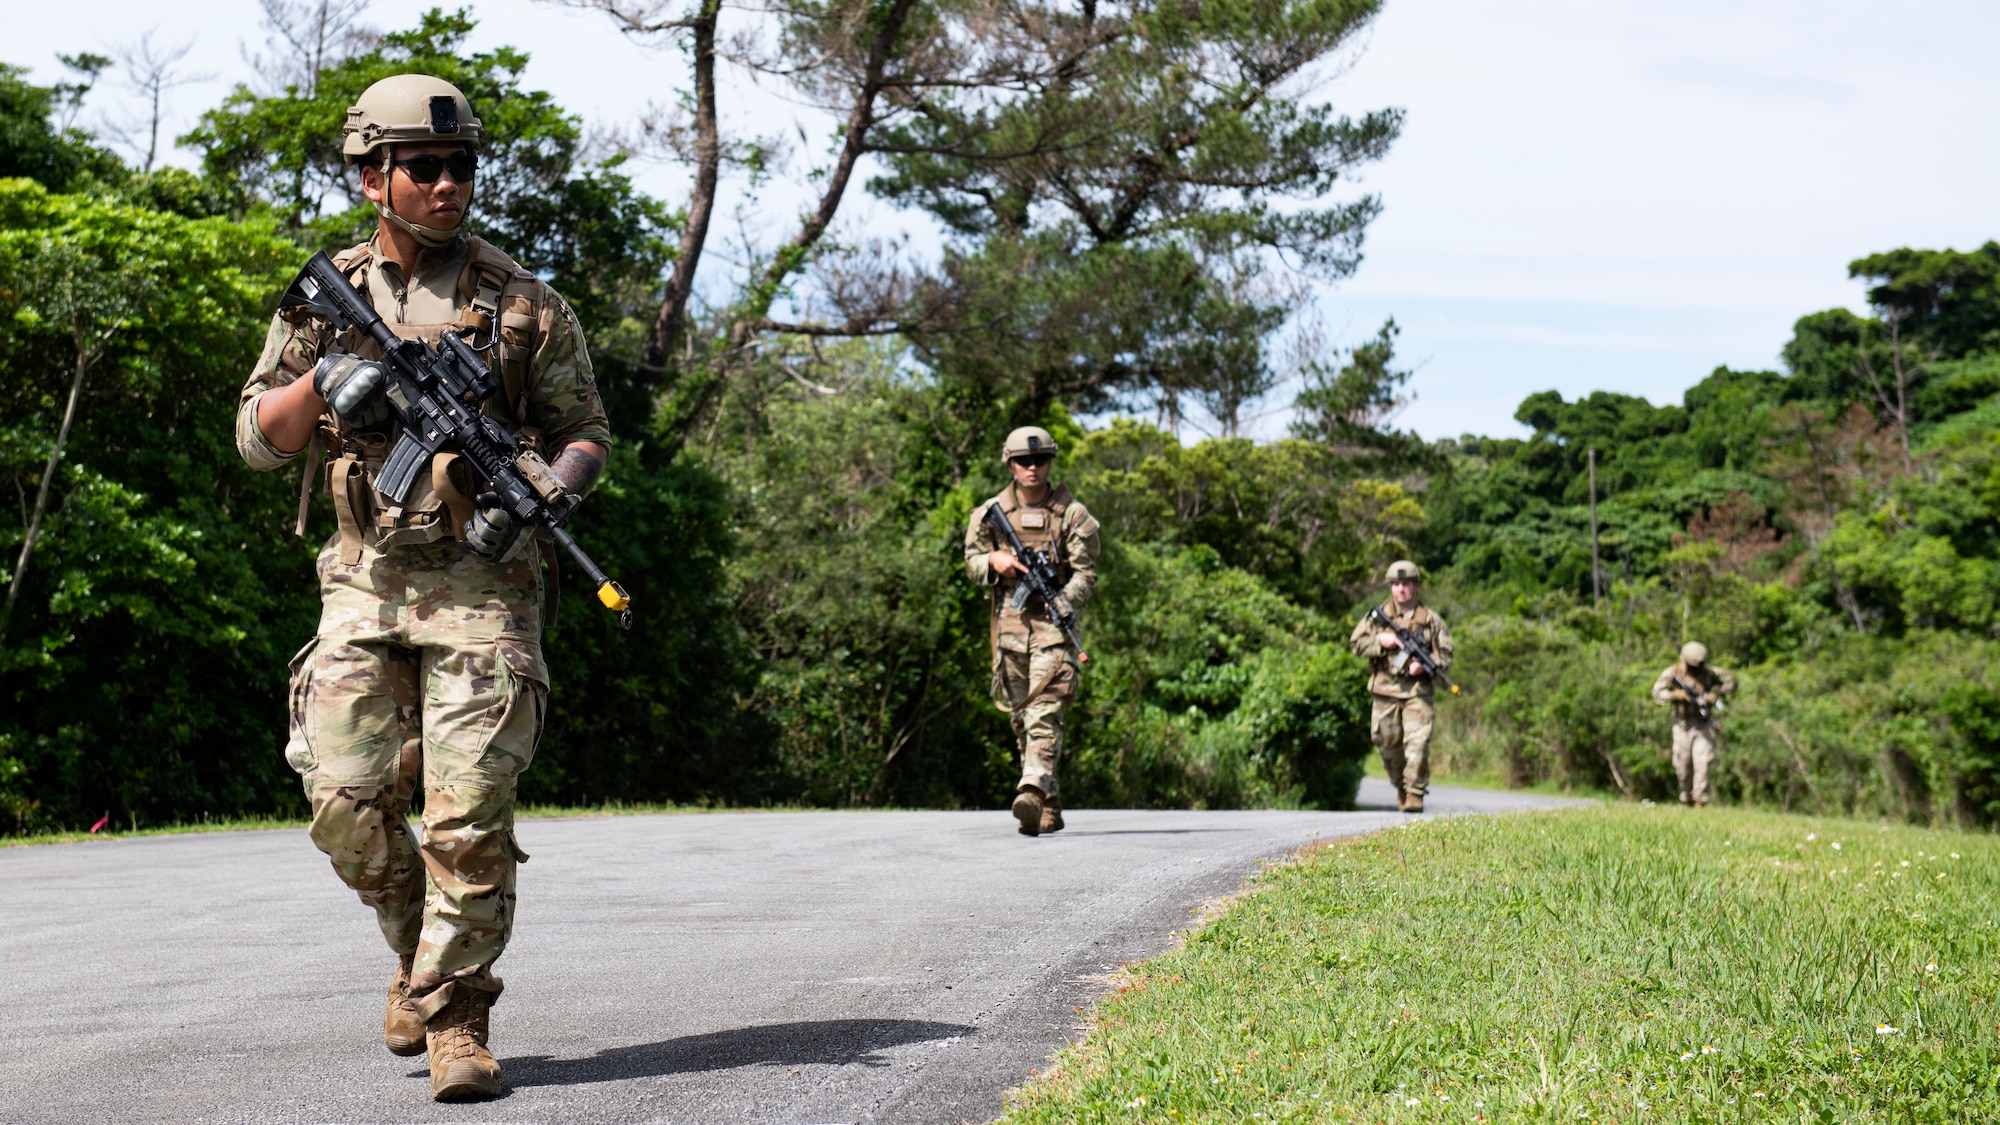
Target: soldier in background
(1402,685)
(427,667)
(1034,665)
(1693,688)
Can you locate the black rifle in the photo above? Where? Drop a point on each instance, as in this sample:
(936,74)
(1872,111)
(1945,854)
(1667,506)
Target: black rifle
(1413,646)
(1039,581)
(1694,694)
(436,392)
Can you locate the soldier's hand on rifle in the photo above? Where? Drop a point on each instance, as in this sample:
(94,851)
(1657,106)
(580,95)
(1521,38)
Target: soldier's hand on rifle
(1678,696)
(494,534)
(1004,563)
(352,386)
(1388,640)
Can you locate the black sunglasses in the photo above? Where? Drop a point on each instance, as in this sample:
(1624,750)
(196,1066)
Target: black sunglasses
(427,169)
(1034,460)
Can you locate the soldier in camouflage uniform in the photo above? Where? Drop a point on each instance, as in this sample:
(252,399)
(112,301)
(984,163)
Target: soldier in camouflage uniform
(427,667)
(1402,686)
(1694,735)
(1034,665)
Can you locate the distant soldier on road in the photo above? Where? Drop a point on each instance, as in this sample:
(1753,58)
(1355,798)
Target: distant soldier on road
(1034,664)
(1401,685)
(1693,688)
(427,667)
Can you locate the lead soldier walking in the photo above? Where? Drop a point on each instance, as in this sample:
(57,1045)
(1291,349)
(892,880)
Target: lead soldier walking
(428,661)
(1034,664)
(1693,688)
(1401,685)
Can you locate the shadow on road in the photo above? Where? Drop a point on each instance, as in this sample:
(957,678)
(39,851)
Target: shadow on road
(810,1042)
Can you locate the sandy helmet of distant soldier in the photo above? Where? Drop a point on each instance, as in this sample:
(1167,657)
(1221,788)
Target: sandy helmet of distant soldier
(1403,570)
(1694,654)
(410,109)
(1027,442)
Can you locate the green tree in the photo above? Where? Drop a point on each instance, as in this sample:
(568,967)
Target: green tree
(600,242)
(162,569)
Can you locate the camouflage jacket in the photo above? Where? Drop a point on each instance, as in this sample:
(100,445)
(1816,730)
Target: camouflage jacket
(1060,525)
(1383,677)
(1712,681)
(548,390)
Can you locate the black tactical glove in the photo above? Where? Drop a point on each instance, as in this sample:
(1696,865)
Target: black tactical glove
(494,534)
(352,387)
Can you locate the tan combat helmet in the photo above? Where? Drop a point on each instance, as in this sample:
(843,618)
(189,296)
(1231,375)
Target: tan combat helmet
(410,109)
(1026,441)
(1694,654)
(1403,569)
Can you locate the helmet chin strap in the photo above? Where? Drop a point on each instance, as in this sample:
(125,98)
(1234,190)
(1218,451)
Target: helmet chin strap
(425,236)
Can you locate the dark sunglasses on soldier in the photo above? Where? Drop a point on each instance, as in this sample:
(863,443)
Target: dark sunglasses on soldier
(1034,460)
(427,169)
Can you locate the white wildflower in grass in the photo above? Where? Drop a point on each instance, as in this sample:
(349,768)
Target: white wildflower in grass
(1931,968)
(1812,835)
(1135,1103)
(1414,1101)
(1756,1093)
(1710,1049)
(1954,855)
(1687,1057)
(1906,863)
(1836,845)
(1885,1029)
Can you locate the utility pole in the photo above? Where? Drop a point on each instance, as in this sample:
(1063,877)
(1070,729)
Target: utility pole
(1596,573)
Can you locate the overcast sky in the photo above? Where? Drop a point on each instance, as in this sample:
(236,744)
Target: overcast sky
(1588,194)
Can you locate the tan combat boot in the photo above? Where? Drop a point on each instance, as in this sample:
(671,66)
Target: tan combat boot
(462,1069)
(402,1027)
(1028,810)
(1415,803)
(1052,815)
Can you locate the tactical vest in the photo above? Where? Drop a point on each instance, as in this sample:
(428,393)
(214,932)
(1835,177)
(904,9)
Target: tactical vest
(1420,618)
(1703,677)
(495,293)
(1040,526)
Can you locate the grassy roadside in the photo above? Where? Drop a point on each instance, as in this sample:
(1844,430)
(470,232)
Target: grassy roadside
(256,823)
(1372,767)
(1622,964)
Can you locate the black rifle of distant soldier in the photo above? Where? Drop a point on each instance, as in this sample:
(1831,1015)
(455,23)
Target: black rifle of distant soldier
(436,392)
(1695,696)
(1039,581)
(1414,645)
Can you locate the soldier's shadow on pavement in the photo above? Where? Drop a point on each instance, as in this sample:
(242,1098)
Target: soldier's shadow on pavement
(805,1043)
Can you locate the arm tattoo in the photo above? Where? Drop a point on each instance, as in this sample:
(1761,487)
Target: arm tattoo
(578,468)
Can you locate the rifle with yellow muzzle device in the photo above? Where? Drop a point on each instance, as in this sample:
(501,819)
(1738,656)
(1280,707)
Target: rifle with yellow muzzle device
(436,391)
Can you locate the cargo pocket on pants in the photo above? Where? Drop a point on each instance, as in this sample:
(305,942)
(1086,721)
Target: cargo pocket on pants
(298,747)
(524,682)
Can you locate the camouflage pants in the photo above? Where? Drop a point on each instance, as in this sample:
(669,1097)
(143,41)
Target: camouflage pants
(1402,732)
(427,668)
(1037,685)
(1694,754)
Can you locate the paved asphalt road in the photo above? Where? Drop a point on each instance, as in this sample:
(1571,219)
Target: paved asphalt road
(776,968)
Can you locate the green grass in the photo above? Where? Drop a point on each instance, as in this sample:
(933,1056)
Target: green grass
(254,823)
(1619,964)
